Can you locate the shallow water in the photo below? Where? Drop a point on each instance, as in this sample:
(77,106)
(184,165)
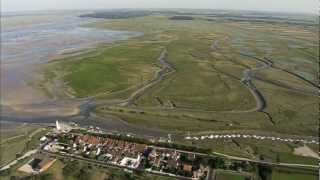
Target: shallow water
(26,45)
(34,43)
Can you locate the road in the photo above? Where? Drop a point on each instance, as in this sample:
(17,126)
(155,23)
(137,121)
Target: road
(27,154)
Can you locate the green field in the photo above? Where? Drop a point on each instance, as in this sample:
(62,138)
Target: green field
(230,176)
(292,176)
(255,149)
(11,148)
(11,130)
(111,69)
(19,144)
(196,83)
(13,171)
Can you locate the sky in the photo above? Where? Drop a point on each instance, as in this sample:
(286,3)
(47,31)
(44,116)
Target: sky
(302,6)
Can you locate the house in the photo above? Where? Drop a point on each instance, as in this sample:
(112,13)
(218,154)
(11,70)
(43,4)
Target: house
(187,167)
(43,138)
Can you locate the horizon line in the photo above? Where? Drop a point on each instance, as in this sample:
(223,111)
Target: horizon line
(131,8)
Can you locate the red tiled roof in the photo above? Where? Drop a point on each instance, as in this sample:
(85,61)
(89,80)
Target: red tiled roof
(187,167)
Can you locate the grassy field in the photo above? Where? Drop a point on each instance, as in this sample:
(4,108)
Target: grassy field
(11,130)
(206,85)
(11,148)
(290,175)
(183,121)
(13,171)
(110,70)
(255,149)
(19,145)
(230,176)
(196,83)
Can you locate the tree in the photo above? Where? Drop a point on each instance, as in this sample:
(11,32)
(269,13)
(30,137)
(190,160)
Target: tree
(218,163)
(83,174)
(46,177)
(70,168)
(264,172)
(278,158)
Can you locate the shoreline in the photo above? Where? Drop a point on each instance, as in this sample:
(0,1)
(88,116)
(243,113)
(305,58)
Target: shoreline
(25,96)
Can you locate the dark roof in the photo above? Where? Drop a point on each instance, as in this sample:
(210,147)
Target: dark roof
(39,162)
(35,163)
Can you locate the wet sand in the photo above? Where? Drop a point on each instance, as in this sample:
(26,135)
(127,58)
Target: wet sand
(28,41)
(27,45)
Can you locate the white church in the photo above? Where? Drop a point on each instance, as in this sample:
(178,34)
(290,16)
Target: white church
(62,127)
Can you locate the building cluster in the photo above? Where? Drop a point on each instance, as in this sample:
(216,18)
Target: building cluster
(128,154)
(171,161)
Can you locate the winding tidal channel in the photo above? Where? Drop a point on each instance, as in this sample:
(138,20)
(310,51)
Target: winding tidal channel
(27,46)
(30,40)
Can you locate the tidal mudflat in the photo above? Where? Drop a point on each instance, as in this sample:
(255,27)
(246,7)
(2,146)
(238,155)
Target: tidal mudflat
(29,40)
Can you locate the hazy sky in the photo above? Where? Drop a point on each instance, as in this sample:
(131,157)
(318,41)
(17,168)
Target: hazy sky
(307,6)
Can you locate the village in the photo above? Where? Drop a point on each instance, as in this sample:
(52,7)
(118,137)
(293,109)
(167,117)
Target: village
(128,155)
(68,140)
(104,150)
